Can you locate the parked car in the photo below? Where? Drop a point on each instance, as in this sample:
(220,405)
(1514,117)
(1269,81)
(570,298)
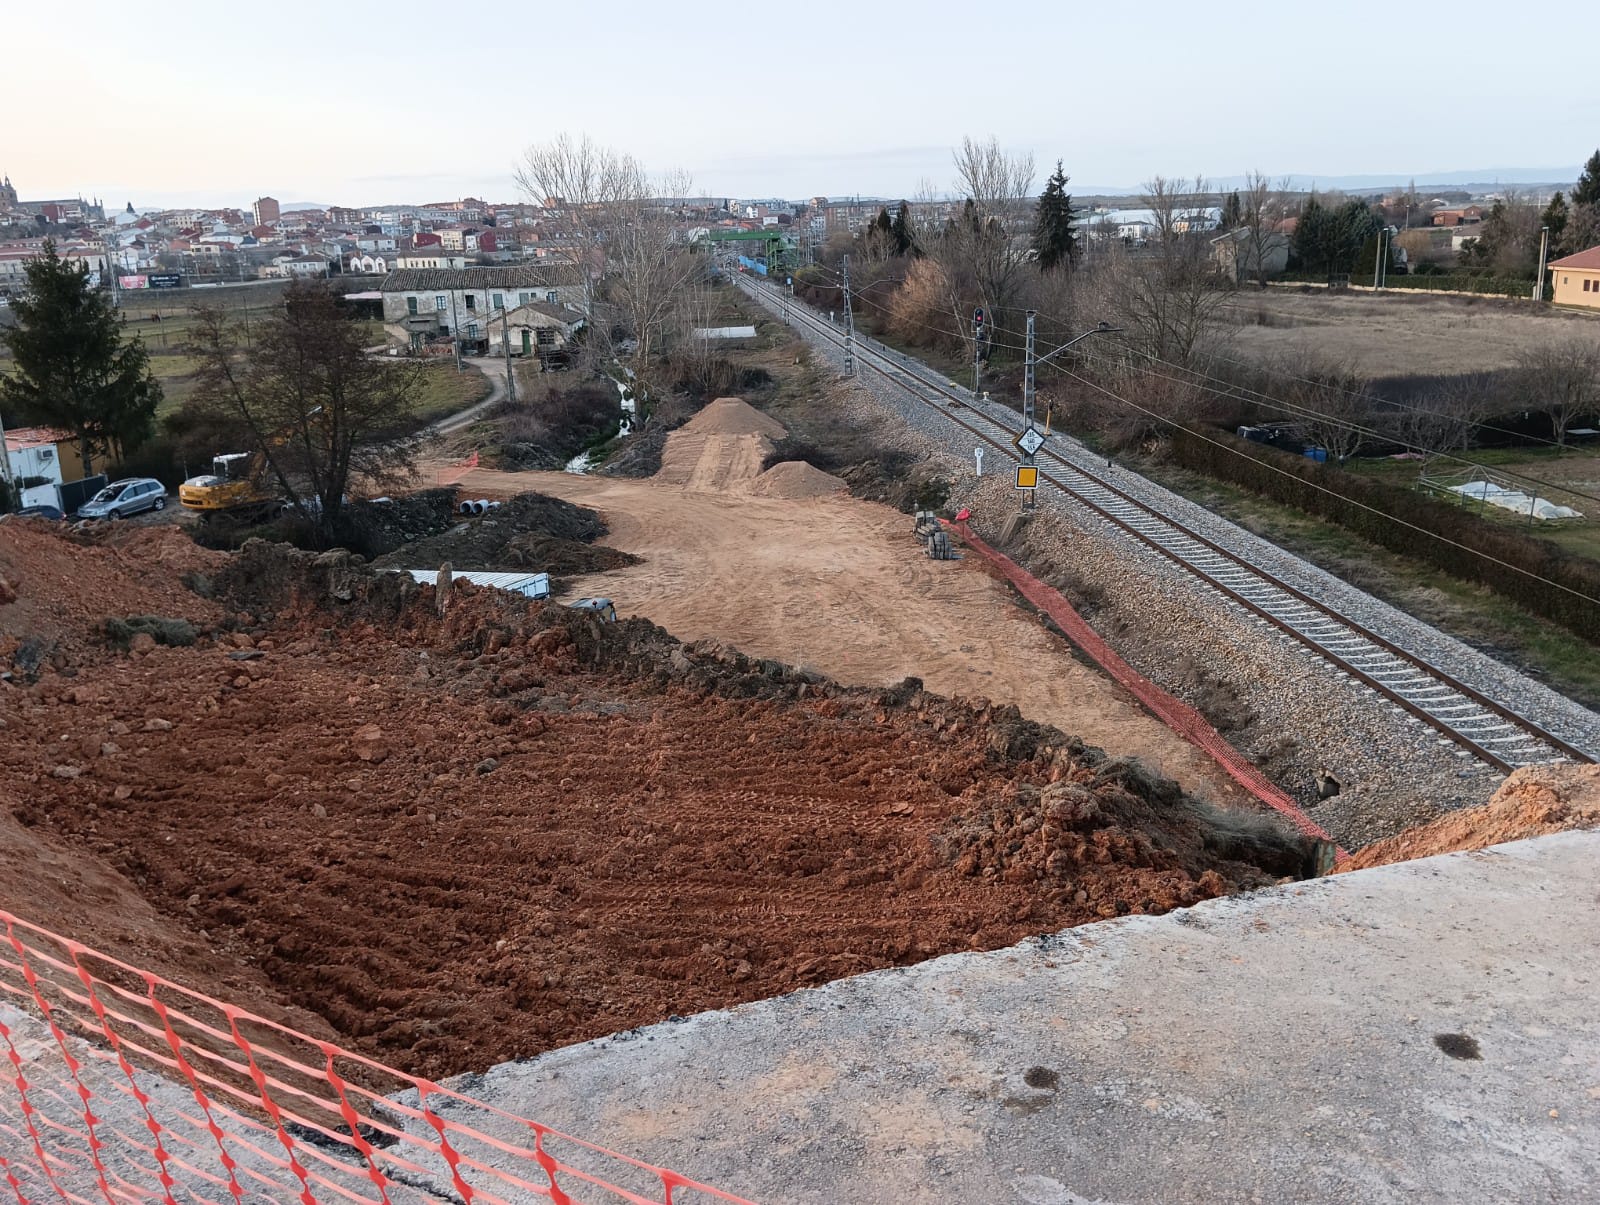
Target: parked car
(40,512)
(126,497)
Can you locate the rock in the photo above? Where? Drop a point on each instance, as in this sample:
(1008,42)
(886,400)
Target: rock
(109,748)
(157,725)
(487,766)
(123,792)
(141,643)
(8,592)
(246,654)
(369,745)
(320,812)
(66,771)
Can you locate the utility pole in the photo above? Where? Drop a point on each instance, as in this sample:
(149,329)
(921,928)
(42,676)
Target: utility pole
(1377,260)
(1030,364)
(505,345)
(1544,253)
(849,325)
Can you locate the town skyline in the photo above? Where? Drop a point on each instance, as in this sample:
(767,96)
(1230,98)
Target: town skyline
(289,199)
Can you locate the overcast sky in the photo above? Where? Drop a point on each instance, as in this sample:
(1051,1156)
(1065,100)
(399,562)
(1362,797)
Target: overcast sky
(358,103)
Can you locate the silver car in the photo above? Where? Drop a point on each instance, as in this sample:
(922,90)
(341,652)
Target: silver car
(123,498)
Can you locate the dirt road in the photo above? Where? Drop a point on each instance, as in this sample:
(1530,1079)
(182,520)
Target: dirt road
(838,585)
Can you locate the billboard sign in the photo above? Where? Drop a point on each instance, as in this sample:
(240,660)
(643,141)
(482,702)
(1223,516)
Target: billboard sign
(166,280)
(134,282)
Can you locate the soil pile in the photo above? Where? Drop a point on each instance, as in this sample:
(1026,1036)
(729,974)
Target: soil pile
(1534,801)
(733,416)
(471,833)
(57,587)
(722,448)
(796,479)
(529,531)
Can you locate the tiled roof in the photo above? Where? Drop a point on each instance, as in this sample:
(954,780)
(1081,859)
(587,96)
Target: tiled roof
(35,437)
(422,280)
(1583,259)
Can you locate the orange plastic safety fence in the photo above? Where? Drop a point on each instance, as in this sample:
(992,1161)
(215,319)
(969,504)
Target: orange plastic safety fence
(117,1085)
(1176,714)
(457,469)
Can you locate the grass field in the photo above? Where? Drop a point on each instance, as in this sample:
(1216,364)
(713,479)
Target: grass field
(1573,477)
(1392,334)
(443,391)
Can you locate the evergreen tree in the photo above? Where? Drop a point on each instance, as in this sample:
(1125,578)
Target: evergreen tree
(72,368)
(1232,212)
(905,239)
(1306,247)
(1587,190)
(1555,217)
(1054,239)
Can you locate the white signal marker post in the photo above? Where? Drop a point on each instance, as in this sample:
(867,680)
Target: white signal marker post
(977,457)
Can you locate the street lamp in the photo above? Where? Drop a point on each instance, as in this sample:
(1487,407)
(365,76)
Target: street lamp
(1032,363)
(1544,252)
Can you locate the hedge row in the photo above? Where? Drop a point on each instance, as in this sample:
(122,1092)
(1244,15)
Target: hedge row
(1525,569)
(1499,286)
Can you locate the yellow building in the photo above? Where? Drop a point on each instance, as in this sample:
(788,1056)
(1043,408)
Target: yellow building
(1577,279)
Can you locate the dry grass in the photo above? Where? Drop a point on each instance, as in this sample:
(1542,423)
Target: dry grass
(1394,334)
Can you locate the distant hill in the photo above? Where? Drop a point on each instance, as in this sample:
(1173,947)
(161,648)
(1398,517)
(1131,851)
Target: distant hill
(291,206)
(1478,179)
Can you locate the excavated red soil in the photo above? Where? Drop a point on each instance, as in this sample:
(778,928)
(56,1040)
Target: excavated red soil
(1532,802)
(468,838)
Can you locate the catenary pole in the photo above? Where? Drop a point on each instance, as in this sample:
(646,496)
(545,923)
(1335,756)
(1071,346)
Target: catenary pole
(849,325)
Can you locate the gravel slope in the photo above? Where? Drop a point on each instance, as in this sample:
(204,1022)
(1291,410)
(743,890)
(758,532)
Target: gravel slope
(1278,702)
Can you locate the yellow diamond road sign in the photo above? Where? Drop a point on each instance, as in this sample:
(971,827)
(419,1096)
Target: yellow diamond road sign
(1027,477)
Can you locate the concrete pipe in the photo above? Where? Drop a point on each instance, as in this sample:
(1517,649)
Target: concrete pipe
(466,506)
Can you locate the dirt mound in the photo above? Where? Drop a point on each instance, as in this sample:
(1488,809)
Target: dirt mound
(58,587)
(468,836)
(1534,801)
(732,416)
(796,479)
(529,531)
(722,448)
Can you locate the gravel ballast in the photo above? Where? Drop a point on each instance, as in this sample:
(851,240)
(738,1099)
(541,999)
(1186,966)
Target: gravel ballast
(1279,702)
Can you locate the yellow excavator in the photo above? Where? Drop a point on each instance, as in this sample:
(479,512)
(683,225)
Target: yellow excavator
(237,484)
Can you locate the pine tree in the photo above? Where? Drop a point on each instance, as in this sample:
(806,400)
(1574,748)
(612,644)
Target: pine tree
(1555,217)
(1308,234)
(1054,239)
(1232,212)
(905,239)
(1587,190)
(72,369)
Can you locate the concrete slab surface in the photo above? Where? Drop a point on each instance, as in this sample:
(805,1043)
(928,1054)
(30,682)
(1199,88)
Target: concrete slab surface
(1421,1032)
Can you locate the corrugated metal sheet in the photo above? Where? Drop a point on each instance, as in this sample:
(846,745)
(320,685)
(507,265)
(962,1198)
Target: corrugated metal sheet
(529,585)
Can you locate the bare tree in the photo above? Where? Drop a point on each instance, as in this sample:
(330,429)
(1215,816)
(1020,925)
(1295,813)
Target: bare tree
(983,251)
(1169,303)
(322,412)
(1445,418)
(1561,380)
(638,269)
(1328,397)
(1263,207)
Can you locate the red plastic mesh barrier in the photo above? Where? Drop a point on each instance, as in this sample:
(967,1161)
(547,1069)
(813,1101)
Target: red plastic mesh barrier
(1177,715)
(457,469)
(117,1085)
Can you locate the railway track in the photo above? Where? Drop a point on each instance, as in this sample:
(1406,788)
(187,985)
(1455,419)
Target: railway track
(1482,727)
